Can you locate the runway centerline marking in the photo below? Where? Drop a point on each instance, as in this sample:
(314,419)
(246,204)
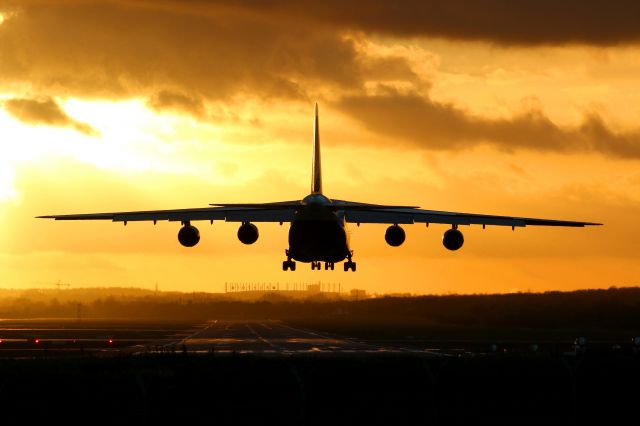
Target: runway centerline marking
(261,338)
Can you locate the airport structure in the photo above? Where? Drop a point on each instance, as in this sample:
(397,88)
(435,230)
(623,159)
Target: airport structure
(319,287)
(292,290)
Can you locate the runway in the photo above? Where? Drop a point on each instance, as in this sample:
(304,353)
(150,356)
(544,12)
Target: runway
(291,373)
(276,337)
(56,338)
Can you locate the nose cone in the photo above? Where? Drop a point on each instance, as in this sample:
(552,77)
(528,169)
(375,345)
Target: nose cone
(316,200)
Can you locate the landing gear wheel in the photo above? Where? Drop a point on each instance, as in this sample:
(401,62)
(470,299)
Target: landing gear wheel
(349,265)
(288,264)
(328,265)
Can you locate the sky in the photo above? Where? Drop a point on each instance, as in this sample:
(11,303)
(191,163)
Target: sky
(497,107)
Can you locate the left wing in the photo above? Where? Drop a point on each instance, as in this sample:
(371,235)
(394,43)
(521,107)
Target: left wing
(229,214)
(280,211)
(414,215)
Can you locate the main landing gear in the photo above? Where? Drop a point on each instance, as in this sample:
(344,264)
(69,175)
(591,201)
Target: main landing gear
(349,264)
(317,265)
(288,264)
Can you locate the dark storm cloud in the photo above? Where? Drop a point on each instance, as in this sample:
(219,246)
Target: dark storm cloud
(433,125)
(120,49)
(507,22)
(182,54)
(45,111)
(276,48)
(174,101)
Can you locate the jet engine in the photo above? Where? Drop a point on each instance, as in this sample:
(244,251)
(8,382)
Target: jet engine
(188,235)
(453,239)
(394,236)
(248,233)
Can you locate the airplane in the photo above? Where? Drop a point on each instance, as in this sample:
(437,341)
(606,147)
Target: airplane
(318,225)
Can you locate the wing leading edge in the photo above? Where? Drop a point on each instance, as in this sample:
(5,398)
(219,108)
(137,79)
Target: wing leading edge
(228,214)
(353,213)
(409,216)
(280,211)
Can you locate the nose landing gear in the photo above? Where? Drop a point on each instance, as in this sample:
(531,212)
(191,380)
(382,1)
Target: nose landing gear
(318,265)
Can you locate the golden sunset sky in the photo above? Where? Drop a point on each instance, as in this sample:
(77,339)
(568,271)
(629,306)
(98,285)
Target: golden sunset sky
(498,107)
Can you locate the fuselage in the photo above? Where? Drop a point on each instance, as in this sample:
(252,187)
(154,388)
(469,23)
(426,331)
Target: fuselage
(318,232)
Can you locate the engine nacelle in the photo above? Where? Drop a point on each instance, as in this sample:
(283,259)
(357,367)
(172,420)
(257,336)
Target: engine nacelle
(394,236)
(453,239)
(248,233)
(188,235)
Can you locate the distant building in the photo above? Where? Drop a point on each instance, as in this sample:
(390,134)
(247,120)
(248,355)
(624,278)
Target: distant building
(358,294)
(299,290)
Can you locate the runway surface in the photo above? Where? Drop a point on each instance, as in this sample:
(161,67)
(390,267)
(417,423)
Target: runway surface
(33,338)
(276,337)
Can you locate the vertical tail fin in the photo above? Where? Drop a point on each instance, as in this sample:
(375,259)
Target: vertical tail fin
(316,170)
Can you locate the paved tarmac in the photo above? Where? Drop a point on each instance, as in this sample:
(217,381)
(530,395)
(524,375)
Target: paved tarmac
(59,337)
(27,338)
(276,337)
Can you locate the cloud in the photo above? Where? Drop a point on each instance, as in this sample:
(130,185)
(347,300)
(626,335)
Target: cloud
(280,49)
(168,100)
(45,111)
(187,55)
(123,49)
(505,22)
(429,124)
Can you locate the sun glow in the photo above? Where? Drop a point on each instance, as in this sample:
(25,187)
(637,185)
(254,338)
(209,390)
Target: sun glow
(108,107)
(6,182)
(129,138)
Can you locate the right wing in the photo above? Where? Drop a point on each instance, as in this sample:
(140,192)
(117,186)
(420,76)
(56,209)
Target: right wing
(412,215)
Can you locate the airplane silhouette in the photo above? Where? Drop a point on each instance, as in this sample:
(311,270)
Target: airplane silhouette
(318,224)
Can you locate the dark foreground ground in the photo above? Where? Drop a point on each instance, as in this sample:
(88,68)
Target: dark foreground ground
(288,373)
